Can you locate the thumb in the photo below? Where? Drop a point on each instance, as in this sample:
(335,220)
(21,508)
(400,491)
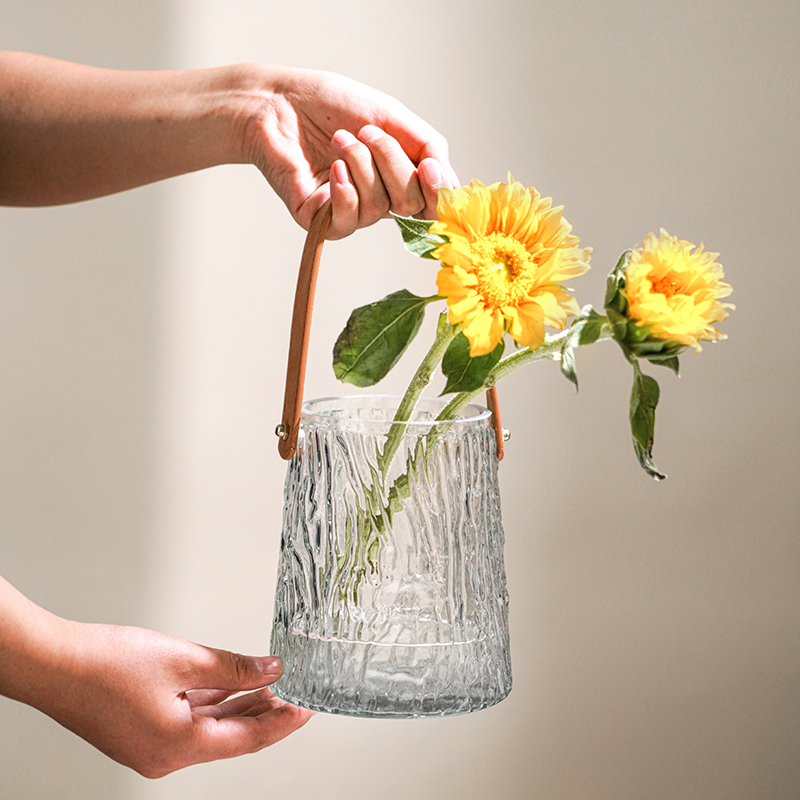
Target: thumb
(220,669)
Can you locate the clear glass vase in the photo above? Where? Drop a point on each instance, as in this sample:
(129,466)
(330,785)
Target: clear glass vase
(391,596)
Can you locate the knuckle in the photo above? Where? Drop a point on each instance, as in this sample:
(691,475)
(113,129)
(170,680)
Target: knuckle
(153,772)
(241,667)
(407,207)
(371,214)
(353,147)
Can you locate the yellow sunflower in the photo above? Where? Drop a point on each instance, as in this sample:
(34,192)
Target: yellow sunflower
(677,290)
(508,248)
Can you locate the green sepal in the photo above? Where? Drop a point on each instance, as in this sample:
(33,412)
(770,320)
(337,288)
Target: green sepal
(465,374)
(375,337)
(635,339)
(615,299)
(671,363)
(417,237)
(644,399)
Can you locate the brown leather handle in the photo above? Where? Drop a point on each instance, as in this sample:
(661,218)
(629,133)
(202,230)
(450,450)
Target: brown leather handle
(493,406)
(301,331)
(300,334)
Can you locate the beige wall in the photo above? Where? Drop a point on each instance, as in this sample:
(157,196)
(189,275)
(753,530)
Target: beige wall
(655,632)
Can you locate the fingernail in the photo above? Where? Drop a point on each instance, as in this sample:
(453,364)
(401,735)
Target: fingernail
(339,170)
(271,665)
(430,172)
(343,138)
(369,133)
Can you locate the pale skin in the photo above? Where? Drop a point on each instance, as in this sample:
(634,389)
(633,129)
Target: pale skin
(70,133)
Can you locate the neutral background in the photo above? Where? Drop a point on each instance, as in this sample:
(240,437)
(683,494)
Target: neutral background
(655,632)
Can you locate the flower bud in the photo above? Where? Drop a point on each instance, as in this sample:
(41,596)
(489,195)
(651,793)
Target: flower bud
(664,296)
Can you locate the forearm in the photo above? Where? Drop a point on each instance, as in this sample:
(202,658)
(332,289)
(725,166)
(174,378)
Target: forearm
(70,132)
(149,701)
(32,643)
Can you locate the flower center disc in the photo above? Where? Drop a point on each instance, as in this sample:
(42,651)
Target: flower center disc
(504,268)
(668,285)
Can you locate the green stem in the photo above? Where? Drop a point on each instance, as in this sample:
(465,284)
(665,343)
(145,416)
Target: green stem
(550,349)
(378,508)
(445,333)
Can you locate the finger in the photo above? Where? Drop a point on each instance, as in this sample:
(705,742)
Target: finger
(431,179)
(436,147)
(420,141)
(266,704)
(398,173)
(219,669)
(235,736)
(373,200)
(440,154)
(198,698)
(344,200)
(235,706)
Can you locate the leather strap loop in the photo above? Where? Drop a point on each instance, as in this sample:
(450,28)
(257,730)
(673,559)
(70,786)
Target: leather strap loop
(300,334)
(493,406)
(301,331)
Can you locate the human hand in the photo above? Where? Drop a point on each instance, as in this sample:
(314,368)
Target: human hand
(73,132)
(156,704)
(320,135)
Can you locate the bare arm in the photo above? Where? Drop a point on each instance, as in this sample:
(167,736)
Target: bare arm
(151,702)
(70,132)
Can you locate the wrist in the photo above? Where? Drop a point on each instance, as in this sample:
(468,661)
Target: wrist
(258,97)
(226,101)
(34,644)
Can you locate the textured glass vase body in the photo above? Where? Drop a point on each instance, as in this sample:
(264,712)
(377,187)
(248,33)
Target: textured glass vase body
(391,595)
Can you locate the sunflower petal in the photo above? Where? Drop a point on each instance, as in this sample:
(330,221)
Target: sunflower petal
(507,247)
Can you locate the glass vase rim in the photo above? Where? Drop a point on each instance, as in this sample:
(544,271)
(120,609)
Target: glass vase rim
(470,414)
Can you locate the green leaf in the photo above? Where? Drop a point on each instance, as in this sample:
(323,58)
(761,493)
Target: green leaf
(465,374)
(644,399)
(587,327)
(636,342)
(375,337)
(568,364)
(417,237)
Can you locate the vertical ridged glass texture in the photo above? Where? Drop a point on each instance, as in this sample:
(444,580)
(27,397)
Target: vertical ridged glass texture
(385,609)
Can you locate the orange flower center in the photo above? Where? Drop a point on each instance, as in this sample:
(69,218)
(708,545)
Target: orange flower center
(668,285)
(504,268)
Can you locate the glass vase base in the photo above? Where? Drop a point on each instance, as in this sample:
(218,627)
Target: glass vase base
(367,679)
